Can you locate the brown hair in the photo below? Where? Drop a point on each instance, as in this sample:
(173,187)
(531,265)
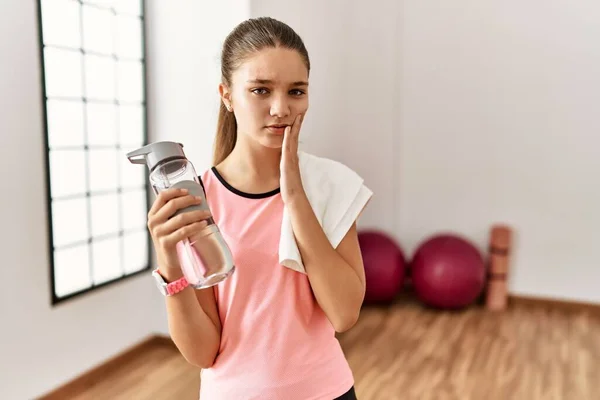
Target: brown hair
(249,37)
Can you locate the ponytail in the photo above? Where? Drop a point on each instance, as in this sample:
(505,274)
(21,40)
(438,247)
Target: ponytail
(226,135)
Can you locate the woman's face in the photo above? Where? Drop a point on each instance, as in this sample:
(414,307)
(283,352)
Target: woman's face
(267,92)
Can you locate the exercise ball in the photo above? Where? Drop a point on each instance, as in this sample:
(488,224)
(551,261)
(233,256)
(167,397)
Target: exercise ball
(384,264)
(448,272)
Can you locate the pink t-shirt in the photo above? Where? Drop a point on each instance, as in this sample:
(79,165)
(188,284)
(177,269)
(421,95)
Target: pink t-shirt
(276,341)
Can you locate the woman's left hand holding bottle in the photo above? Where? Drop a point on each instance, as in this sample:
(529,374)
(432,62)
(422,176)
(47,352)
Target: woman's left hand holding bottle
(168,230)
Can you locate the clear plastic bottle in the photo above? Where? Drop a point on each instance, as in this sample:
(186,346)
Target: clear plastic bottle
(205,258)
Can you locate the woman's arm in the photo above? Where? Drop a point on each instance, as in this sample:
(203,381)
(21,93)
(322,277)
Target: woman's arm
(194,324)
(193,319)
(336,276)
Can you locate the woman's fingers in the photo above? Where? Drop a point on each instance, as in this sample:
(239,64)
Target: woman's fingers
(164,197)
(181,221)
(182,233)
(175,204)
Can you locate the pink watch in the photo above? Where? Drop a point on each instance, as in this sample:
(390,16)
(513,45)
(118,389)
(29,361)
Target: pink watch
(171,288)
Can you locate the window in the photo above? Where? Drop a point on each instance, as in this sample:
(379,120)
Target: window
(93,75)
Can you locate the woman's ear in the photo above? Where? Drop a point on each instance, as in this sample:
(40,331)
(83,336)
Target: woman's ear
(225,94)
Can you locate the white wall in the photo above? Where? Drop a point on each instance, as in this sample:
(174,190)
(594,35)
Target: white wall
(470,114)
(42,347)
(499,122)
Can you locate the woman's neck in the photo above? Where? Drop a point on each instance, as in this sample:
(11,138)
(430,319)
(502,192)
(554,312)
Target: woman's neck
(252,167)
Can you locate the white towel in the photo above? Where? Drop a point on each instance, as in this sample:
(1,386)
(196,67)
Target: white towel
(337,196)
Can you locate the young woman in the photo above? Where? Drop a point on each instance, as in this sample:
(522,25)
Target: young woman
(267,332)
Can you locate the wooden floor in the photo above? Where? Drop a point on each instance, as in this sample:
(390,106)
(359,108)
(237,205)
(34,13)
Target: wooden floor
(530,352)
(409,352)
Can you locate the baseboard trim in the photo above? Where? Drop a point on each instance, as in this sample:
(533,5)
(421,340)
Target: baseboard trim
(91,377)
(557,304)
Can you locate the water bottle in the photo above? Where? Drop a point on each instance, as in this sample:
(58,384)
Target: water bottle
(205,258)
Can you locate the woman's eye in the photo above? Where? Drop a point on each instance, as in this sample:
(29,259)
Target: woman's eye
(263,91)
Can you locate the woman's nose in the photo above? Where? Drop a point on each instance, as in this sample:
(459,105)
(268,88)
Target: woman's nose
(280,107)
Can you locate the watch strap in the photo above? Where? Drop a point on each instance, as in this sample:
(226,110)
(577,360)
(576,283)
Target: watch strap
(172,288)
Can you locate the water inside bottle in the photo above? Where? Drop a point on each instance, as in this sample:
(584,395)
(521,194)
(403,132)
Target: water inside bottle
(205,259)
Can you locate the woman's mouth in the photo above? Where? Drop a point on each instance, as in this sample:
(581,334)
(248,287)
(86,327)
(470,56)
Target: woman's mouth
(277,129)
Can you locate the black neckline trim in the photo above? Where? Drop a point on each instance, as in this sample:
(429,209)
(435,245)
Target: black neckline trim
(243,194)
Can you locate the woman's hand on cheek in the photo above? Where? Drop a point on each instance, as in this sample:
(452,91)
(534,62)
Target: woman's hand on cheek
(290,180)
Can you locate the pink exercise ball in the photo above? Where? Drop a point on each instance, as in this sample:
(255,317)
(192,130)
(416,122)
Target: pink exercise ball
(384,264)
(447,272)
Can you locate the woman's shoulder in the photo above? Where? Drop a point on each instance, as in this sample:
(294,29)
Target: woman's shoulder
(205,177)
(206,173)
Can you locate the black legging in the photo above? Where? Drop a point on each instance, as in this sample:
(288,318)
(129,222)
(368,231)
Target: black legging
(349,395)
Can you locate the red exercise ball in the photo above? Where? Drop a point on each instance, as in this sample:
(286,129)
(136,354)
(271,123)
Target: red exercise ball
(384,266)
(448,272)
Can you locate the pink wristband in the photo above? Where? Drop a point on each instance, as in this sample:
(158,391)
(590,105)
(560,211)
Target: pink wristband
(176,286)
